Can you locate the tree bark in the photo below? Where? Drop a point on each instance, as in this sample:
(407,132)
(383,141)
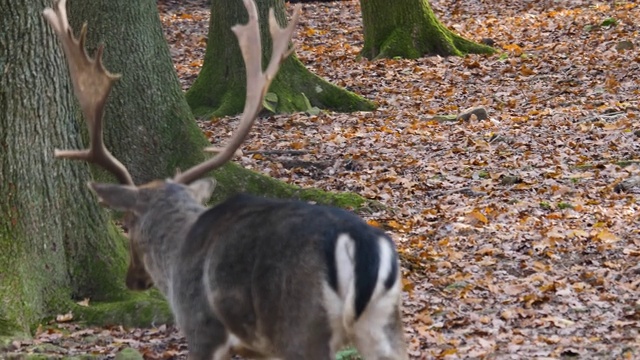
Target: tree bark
(148,125)
(409,29)
(56,244)
(220,87)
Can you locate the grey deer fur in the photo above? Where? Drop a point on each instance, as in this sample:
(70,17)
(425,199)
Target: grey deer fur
(251,276)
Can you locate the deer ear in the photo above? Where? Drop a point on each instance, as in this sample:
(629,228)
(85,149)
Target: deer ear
(117,197)
(202,189)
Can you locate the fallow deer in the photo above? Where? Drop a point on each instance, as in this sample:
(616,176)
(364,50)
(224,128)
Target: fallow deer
(254,276)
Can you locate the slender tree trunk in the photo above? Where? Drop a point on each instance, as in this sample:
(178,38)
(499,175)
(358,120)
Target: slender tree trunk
(409,29)
(220,86)
(55,241)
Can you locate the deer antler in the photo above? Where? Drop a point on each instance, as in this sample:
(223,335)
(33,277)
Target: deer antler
(91,84)
(257,82)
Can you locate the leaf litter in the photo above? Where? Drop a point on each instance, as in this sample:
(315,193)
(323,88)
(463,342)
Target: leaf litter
(520,232)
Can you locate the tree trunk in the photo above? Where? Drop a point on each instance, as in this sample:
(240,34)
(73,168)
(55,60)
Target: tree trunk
(409,29)
(148,124)
(220,87)
(56,244)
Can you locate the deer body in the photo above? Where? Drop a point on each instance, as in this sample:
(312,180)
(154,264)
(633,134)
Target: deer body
(252,276)
(277,278)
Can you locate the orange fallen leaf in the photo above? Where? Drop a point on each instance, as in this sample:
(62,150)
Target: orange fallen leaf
(394,224)
(450,351)
(478,216)
(373,223)
(407,285)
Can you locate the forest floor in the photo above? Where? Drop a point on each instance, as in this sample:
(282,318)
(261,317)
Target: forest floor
(519,232)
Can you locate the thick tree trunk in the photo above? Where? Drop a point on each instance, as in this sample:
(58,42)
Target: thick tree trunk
(148,124)
(409,29)
(55,241)
(220,86)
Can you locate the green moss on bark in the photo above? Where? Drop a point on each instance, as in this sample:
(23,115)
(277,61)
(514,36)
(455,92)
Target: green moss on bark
(104,279)
(7,327)
(295,86)
(438,41)
(410,29)
(143,309)
(220,87)
(233,179)
(13,316)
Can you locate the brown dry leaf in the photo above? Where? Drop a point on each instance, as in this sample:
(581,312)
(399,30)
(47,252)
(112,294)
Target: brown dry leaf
(513,289)
(62,318)
(507,314)
(558,322)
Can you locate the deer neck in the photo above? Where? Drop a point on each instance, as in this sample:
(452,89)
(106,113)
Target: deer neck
(167,229)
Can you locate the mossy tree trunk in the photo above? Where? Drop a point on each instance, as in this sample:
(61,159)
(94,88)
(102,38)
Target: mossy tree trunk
(149,126)
(409,29)
(220,87)
(56,243)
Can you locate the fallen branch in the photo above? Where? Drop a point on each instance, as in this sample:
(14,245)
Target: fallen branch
(465,191)
(278,152)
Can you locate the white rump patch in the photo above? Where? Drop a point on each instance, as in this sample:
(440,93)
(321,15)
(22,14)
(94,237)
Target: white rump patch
(334,307)
(386,265)
(345,271)
(384,301)
(340,303)
(371,339)
(345,264)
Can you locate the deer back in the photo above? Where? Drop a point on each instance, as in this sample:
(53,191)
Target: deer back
(270,268)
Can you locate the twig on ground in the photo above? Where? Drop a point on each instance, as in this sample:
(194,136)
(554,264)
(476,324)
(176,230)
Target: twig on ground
(277,152)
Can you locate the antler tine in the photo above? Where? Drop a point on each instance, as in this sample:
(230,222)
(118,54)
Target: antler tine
(257,82)
(92,84)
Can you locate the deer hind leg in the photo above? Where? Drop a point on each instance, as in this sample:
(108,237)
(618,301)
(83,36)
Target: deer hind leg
(201,350)
(202,347)
(207,338)
(379,333)
(311,340)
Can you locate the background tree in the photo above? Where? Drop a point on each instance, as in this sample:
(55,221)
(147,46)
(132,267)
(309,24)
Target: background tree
(409,29)
(219,88)
(56,243)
